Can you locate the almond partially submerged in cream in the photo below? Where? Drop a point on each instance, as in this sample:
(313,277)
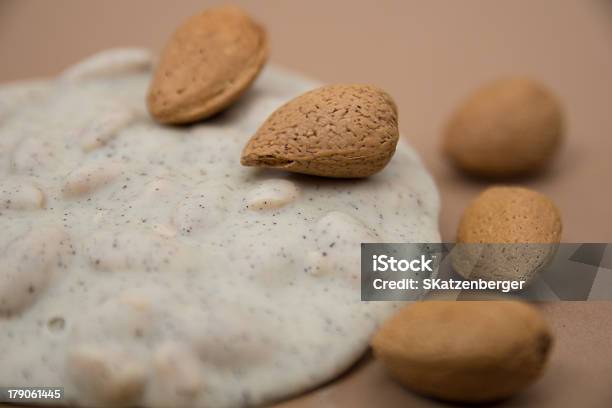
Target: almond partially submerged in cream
(207,64)
(341,131)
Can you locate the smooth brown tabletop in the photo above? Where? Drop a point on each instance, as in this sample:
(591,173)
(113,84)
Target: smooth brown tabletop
(429,56)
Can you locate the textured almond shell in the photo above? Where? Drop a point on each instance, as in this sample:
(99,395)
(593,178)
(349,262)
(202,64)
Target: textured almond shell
(334,131)
(507,233)
(471,351)
(508,128)
(510,215)
(208,63)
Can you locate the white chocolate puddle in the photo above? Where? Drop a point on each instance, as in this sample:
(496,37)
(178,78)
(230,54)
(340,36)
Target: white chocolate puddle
(142,265)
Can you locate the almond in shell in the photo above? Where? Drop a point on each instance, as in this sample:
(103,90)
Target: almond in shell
(343,131)
(507,234)
(207,64)
(469,352)
(511,127)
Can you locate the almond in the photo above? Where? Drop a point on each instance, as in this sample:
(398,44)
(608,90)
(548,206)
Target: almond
(510,215)
(470,352)
(207,64)
(334,131)
(508,128)
(507,233)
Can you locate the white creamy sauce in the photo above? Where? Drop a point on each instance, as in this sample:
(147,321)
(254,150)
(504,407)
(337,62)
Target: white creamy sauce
(143,265)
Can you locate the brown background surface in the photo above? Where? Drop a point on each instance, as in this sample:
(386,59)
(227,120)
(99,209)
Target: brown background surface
(428,55)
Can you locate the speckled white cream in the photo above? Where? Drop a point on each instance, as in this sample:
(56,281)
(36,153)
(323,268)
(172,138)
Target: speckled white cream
(142,265)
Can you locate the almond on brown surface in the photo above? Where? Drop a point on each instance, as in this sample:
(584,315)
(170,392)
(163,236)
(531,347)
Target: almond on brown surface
(510,215)
(507,233)
(341,131)
(471,351)
(508,128)
(206,65)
